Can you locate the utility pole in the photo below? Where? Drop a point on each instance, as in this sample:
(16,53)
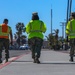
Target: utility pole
(63,25)
(69,6)
(67,12)
(51,20)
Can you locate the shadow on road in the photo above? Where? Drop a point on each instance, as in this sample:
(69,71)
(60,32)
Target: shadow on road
(53,62)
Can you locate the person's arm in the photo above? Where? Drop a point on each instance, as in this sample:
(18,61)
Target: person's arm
(68,28)
(28,28)
(11,37)
(44,28)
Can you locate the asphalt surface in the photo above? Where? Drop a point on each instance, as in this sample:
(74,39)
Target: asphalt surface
(52,63)
(14,53)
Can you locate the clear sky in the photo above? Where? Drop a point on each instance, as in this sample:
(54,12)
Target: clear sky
(21,11)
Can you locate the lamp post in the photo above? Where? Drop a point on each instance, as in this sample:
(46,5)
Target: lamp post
(69,6)
(51,21)
(63,24)
(67,11)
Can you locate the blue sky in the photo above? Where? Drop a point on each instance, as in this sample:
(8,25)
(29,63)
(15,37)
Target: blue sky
(21,11)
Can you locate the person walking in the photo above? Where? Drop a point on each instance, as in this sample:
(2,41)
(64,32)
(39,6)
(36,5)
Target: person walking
(70,31)
(5,33)
(35,29)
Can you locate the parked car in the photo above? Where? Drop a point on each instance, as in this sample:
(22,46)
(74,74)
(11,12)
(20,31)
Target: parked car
(24,47)
(11,48)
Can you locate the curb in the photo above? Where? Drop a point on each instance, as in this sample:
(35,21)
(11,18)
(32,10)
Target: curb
(11,59)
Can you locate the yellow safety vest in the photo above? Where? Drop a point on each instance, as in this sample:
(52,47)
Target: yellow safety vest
(70,29)
(4,31)
(35,29)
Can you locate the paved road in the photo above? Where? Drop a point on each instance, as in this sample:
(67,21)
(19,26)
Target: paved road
(52,63)
(14,53)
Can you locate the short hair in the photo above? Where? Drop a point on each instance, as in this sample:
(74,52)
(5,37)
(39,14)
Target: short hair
(5,20)
(73,14)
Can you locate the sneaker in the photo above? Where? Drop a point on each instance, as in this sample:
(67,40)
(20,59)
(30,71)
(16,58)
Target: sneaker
(6,60)
(71,59)
(37,61)
(34,61)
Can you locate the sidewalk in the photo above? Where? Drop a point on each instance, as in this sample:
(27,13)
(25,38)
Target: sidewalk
(52,63)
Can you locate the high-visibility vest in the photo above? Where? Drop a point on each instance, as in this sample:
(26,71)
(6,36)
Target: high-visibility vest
(72,32)
(71,29)
(4,31)
(36,30)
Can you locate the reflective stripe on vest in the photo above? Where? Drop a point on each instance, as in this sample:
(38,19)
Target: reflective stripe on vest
(72,34)
(4,31)
(36,30)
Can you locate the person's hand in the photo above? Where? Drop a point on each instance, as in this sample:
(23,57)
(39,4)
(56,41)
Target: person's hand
(11,43)
(67,40)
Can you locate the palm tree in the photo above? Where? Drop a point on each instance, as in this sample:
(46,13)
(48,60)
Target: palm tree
(53,39)
(50,39)
(56,34)
(20,29)
(56,39)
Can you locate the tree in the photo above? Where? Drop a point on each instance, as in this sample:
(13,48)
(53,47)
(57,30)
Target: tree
(50,39)
(56,34)
(20,29)
(53,39)
(56,46)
